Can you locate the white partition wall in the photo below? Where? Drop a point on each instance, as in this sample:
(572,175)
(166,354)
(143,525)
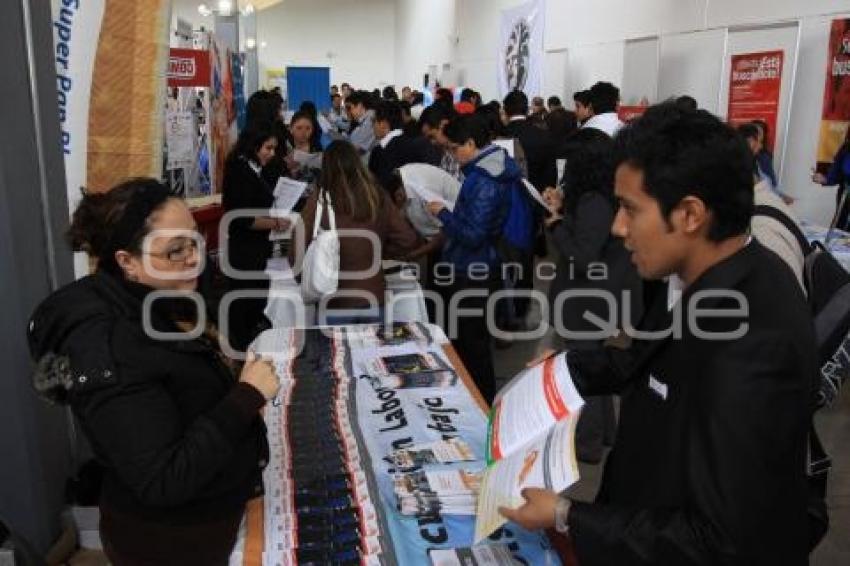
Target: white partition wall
(767,38)
(691,63)
(588,64)
(640,71)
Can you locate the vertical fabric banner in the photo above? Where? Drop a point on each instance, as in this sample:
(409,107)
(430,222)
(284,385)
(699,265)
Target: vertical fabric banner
(755,84)
(110,76)
(835,118)
(222,128)
(520,58)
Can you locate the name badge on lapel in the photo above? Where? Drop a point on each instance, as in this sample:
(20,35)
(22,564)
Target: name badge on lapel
(658,387)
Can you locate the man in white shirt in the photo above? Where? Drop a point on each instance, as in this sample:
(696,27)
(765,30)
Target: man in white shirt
(604,98)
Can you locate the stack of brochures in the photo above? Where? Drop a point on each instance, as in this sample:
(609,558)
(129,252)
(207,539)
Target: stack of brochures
(446,492)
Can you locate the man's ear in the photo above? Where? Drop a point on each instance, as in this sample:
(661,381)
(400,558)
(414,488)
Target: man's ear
(691,215)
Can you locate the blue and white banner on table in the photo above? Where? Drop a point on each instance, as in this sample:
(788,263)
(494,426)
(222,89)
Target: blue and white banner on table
(520,60)
(398,418)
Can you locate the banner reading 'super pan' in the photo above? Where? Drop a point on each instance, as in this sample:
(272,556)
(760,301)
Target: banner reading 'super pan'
(836,97)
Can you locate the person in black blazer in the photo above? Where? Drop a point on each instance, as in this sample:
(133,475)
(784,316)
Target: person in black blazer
(709,464)
(536,142)
(394,148)
(248,244)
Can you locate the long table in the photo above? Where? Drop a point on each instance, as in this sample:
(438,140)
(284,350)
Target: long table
(461,411)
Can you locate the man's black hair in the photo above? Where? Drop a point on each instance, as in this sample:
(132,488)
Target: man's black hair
(389,93)
(685,152)
(468,127)
(749,131)
(687,102)
(357,97)
(516,103)
(433,115)
(467,94)
(604,97)
(418,98)
(582,97)
(553,101)
(390,112)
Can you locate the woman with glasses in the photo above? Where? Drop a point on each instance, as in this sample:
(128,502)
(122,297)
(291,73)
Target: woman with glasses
(247,195)
(176,430)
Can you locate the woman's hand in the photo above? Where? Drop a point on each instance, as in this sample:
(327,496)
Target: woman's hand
(818,178)
(259,373)
(554,198)
(435,207)
(538,511)
(282,224)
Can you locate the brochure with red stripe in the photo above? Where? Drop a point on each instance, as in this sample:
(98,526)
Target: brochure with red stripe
(530,440)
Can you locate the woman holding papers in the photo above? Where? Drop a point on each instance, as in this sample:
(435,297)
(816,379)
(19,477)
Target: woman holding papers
(371,229)
(176,431)
(303,158)
(589,259)
(247,196)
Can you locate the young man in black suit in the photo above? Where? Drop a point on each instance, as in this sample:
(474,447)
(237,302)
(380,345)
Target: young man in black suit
(709,463)
(395,149)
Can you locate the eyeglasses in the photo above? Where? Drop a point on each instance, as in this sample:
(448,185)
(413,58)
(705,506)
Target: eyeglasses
(178,253)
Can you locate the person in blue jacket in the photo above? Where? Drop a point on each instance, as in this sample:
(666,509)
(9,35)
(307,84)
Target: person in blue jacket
(838,174)
(472,232)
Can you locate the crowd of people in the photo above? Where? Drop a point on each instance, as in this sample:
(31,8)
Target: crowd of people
(708,460)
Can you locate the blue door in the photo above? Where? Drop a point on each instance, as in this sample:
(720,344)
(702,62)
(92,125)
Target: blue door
(309,83)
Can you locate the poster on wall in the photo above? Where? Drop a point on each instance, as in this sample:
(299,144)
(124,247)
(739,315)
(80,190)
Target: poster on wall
(520,58)
(835,118)
(755,84)
(628,113)
(180,139)
(222,127)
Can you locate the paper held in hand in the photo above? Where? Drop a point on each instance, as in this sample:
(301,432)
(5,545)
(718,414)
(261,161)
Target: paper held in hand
(534,194)
(428,195)
(531,440)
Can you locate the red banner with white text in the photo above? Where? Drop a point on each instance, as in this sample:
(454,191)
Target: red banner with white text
(755,83)
(188,67)
(836,97)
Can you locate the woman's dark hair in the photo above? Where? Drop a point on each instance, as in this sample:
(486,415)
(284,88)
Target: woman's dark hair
(118,219)
(353,190)
(249,142)
(468,127)
(262,110)
(315,136)
(309,108)
(691,153)
(590,166)
(561,123)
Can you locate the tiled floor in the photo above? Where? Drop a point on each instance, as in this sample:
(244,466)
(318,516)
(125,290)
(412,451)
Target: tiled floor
(834,428)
